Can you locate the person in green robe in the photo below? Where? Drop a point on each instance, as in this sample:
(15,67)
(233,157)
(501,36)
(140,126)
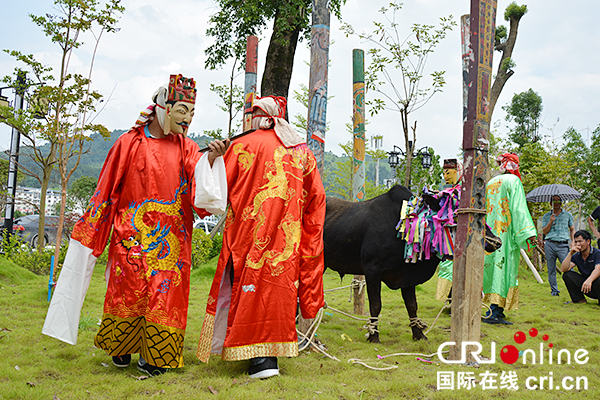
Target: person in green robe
(509,219)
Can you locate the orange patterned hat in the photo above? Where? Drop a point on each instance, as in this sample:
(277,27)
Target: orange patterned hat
(181,89)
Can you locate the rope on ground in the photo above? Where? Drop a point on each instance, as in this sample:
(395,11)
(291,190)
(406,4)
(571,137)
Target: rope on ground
(351,316)
(446,305)
(360,362)
(313,330)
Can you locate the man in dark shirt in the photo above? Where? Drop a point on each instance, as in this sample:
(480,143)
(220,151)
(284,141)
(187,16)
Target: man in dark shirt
(587,260)
(591,219)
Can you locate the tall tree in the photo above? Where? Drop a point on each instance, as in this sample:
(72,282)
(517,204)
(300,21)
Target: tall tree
(525,110)
(236,20)
(394,51)
(71,101)
(584,169)
(505,43)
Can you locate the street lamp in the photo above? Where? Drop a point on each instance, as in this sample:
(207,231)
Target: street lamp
(394,157)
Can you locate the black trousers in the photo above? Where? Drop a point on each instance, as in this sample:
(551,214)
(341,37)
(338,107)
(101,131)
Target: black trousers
(573,280)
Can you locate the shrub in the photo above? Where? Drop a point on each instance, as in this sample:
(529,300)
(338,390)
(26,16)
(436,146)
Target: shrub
(201,247)
(217,244)
(24,256)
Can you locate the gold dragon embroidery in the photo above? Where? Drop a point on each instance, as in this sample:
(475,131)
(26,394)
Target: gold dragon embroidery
(159,244)
(276,188)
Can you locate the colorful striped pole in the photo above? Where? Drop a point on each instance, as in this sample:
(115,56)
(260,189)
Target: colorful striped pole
(250,82)
(358,157)
(358,123)
(469,252)
(317,87)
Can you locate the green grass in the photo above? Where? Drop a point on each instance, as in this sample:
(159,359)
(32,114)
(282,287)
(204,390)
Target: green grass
(34,366)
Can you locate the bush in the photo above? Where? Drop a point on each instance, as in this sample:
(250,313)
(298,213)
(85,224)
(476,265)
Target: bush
(24,256)
(217,244)
(202,246)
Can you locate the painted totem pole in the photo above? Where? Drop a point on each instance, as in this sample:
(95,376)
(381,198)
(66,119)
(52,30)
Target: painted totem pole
(250,80)
(317,87)
(469,253)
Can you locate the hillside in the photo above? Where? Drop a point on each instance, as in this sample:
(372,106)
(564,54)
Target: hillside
(92,161)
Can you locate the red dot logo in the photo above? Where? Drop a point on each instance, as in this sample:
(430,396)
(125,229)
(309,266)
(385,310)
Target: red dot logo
(533,332)
(546,337)
(509,354)
(550,345)
(520,337)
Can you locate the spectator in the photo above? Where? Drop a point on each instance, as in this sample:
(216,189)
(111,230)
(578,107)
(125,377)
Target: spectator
(558,227)
(594,217)
(587,260)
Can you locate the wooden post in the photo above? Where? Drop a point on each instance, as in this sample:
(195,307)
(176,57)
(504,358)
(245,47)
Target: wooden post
(250,80)
(358,155)
(469,253)
(317,87)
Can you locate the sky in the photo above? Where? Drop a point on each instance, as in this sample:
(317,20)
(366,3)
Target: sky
(555,55)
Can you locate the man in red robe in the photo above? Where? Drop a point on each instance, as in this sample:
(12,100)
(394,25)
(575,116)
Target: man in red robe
(272,255)
(149,183)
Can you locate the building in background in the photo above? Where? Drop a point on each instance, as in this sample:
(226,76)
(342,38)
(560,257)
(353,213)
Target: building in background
(28,200)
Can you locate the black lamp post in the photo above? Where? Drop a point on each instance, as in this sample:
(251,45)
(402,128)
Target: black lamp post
(394,157)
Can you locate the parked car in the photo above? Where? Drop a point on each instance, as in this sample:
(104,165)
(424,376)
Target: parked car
(205,224)
(26,228)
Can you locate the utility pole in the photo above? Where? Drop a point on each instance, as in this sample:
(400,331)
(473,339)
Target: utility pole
(469,251)
(14,159)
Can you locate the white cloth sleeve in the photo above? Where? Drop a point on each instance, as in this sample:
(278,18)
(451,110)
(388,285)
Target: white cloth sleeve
(62,320)
(211,185)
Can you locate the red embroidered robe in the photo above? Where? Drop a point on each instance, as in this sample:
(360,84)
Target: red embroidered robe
(144,202)
(273,242)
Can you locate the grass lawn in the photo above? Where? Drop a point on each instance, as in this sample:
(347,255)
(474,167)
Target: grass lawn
(34,366)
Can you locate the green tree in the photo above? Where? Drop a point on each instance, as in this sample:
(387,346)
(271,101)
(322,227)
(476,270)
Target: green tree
(81,191)
(393,52)
(70,99)
(584,169)
(544,165)
(525,110)
(505,43)
(236,20)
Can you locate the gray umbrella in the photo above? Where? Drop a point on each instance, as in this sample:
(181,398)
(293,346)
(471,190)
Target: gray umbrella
(545,193)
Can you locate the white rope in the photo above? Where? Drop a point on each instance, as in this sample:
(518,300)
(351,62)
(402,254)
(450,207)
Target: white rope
(360,362)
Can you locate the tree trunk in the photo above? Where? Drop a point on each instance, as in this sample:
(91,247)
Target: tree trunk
(42,220)
(503,74)
(280,61)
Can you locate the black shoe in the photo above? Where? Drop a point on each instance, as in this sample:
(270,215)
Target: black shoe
(263,367)
(495,321)
(122,361)
(151,370)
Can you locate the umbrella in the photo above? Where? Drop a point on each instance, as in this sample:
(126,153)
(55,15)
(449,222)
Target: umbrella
(545,193)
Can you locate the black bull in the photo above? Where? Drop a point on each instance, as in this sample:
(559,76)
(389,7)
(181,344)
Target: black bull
(360,239)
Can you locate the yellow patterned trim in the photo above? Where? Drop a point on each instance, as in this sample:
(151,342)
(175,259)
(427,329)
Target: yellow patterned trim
(206,337)
(161,346)
(245,158)
(287,349)
(511,302)
(443,289)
